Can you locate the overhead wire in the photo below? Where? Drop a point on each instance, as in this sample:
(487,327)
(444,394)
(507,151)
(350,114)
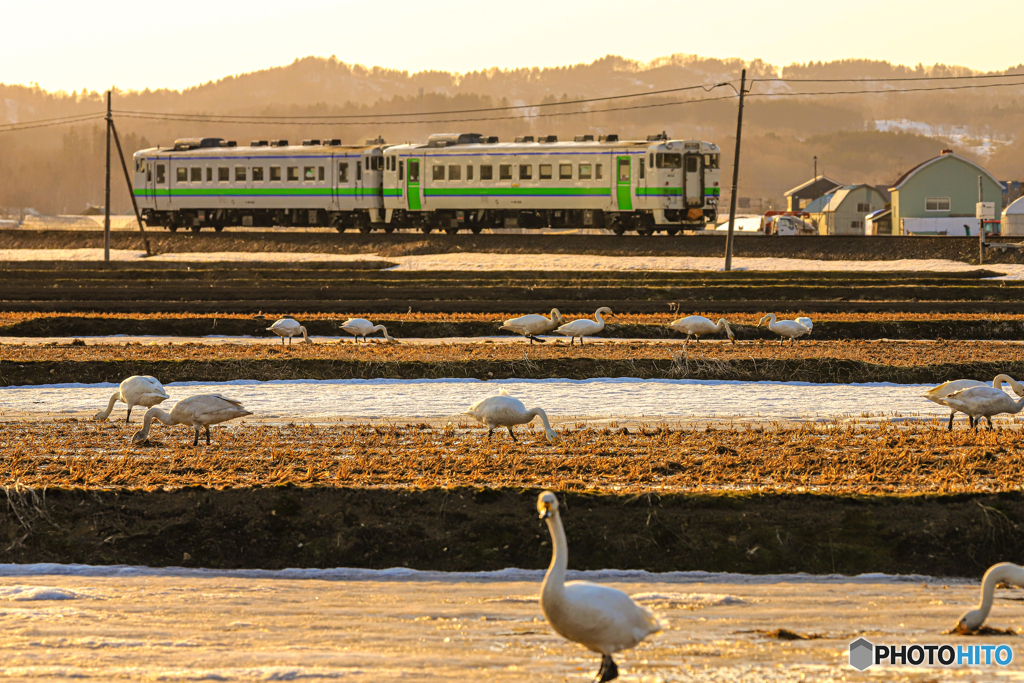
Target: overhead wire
(45,123)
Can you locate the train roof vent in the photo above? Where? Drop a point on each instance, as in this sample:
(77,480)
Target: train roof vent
(228,143)
(379,140)
(492,139)
(659,136)
(184,144)
(259,143)
(524,138)
(333,142)
(548,138)
(449,139)
(278,143)
(310,143)
(609,138)
(583,138)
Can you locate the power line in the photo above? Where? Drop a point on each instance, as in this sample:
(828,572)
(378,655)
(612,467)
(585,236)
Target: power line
(45,123)
(882,80)
(886,92)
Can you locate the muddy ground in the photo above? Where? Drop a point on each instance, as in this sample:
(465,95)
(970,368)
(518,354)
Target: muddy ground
(482,529)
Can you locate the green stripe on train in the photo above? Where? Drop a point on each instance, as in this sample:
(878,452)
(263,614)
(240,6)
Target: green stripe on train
(258,192)
(520,191)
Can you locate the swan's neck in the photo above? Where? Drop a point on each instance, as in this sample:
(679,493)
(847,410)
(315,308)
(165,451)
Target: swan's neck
(554,580)
(1017,387)
(535,412)
(597,316)
(114,398)
(305,337)
(1004,571)
(382,329)
(159,414)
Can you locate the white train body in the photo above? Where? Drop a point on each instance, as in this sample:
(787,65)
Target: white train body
(207,182)
(456,181)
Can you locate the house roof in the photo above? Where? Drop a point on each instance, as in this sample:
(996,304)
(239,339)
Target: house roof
(1015,207)
(832,200)
(810,182)
(928,162)
(820,205)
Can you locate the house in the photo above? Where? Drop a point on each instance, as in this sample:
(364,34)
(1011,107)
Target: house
(842,211)
(938,196)
(802,195)
(1013,218)
(879,222)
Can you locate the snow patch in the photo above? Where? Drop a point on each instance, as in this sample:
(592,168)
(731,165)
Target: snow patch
(30,593)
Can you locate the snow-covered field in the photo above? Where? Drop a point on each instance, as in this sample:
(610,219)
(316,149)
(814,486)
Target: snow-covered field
(596,400)
(137,624)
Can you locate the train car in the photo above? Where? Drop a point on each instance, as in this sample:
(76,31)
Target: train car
(468,181)
(208,182)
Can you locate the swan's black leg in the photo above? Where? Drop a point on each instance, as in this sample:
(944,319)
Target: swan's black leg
(510,433)
(195,441)
(207,435)
(490,430)
(989,418)
(128,417)
(609,670)
(951,420)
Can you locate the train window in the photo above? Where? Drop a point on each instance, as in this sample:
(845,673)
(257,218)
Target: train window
(525,171)
(692,164)
(209,174)
(713,161)
(401,169)
(149,173)
(359,170)
(642,168)
(275,174)
(293,174)
(320,174)
(414,170)
(469,171)
(565,171)
(486,172)
(544,172)
(182,175)
(343,172)
(223,174)
(624,170)
(505,172)
(669,161)
(438,172)
(585,172)
(197,174)
(454,172)
(160,178)
(257,174)
(378,163)
(597,172)
(240,174)
(652,160)
(309,173)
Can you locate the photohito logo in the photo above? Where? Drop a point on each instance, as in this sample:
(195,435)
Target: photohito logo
(865,654)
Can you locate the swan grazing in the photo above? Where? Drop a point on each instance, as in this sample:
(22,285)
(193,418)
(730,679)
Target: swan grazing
(787,329)
(602,619)
(584,327)
(698,326)
(983,402)
(531,325)
(288,327)
(137,390)
(360,327)
(938,394)
(198,411)
(506,411)
(1003,572)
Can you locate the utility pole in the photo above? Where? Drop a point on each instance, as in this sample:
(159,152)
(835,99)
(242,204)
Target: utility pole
(735,175)
(815,167)
(106,203)
(981,225)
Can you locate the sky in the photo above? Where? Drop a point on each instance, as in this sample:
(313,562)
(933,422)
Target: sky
(65,45)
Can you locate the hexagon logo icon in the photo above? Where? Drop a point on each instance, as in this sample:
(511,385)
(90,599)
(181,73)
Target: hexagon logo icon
(862,654)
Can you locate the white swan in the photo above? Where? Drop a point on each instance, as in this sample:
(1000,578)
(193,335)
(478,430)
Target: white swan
(198,411)
(1003,572)
(288,327)
(806,322)
(787,329)
(602,619)
(938,394)
(137,390)
(983,402)
(506,411)
(360,327)
(585,327)
(698,326)
(531,325)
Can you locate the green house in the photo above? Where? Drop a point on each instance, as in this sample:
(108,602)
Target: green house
(938,196)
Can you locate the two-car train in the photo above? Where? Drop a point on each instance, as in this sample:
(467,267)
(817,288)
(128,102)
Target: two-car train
(451,182)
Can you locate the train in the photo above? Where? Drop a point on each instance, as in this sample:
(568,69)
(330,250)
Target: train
(451,182)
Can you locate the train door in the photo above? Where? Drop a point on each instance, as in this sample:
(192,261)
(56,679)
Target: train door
(360,170)
(160,182)
(622,176)
(693,180)
(412,187)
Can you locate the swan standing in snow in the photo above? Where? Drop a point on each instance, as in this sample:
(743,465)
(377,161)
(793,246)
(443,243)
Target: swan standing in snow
(288,327)
(983,402)
(698,326)
(786,329)
(531,325)
(938,394)
(1003,572)
(137,390)
(198,411)
(585,327)
(360,327)
(602,619)
(506,411)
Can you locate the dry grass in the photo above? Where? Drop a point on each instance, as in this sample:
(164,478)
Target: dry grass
(833,460)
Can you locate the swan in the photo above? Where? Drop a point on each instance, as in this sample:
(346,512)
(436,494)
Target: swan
(288,327)
(787,329)
(602,619)
(806,322)
(983,402)
(360,327)
(698,325)
(137,390)
(506,411)
(1003,572)
(198,411)
(938,394)
(531,325)
(584,327)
